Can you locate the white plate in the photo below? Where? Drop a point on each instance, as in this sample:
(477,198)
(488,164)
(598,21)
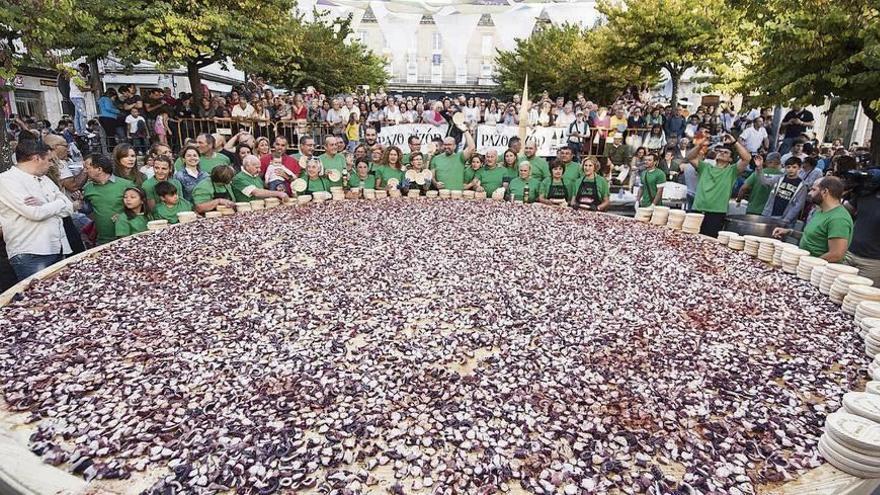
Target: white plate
(299,185)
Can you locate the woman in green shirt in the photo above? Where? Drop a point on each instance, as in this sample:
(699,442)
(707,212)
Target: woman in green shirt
(391,168)
(471,179)
(125,164)
(516,190)
(590,191)
(509,164)
(361,178)
(552,190)
(376,158)
(162,167)
(134,216)
(315,182)
(215,191)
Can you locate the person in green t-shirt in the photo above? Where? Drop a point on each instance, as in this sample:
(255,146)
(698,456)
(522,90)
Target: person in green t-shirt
(757,191)
(570,170)
(162,168)
(315,182)
(516,189)
(552,190)
(208,157)
(448,166)
(248,185)
(591,191)
(829,231)
(133,219)
(170,203)
(104,193)
(540,168)
(475,164)
(509,164)
(215,191)
(652,180)
(492,175)
(361,179)
(715,184)
(331,159)
(391,168)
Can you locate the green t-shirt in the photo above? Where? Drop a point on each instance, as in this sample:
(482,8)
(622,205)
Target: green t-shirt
(470,174)
(517,186)
(449,169)
(205,164)
(355,181)
(540,168)
(491,178)
(651,179)
(165,212)
(835,223)
(206,189)
(758,192)
(106,201)
(544,190)
(315,185)
(511,172)
(601,183)
(405,159)
(385,172)
(337,162)
(714,187)
(242,181)
(149,187)
(573,171)
(127,226)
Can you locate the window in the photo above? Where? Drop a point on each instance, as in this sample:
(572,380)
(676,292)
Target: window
(29,103)
(437,43)
(488,48)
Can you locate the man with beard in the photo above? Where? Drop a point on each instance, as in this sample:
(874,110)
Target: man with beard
(448,166)
(829,230)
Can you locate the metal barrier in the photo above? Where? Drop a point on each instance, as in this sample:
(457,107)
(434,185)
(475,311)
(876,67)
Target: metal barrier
(186,129)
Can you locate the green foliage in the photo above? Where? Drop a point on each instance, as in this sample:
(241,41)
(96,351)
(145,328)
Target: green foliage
(325,60)
(675,35)
(815,49)
(562,60)
(30,30)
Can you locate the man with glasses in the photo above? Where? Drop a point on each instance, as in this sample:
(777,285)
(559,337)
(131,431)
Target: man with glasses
(415,146)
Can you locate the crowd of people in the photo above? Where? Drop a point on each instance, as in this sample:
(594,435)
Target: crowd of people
(54,202)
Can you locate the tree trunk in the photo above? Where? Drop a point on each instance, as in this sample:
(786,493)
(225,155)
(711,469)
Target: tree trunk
(675,77)
(195,83)
(875,132)
(95,79)
(5,146)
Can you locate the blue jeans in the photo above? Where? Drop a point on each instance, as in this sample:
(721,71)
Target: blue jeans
(80,119)
(786,145)
(26,265)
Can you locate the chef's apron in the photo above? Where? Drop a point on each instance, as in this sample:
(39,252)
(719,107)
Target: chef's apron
(557,191)
(588,195)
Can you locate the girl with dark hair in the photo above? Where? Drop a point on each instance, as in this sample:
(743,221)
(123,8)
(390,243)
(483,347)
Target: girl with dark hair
(125,164)
(135,213)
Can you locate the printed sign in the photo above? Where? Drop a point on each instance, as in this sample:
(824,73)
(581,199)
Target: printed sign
(548,139)
(398,135)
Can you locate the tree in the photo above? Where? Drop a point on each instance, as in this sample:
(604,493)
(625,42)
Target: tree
(29,33)
(252,34)
(562,60)
(810,50)
(325,59)
(670,35)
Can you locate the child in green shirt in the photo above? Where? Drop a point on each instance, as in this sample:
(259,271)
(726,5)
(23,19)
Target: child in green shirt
(170,203)
(133,219)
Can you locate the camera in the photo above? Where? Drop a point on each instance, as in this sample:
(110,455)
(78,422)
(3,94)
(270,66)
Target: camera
(862,182)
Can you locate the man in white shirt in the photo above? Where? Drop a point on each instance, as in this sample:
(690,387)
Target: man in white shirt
(334,118)
(755,137)
(349,109)
(243,110)
(31,212)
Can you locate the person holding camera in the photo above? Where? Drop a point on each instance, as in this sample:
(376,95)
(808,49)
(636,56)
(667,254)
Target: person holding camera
(864,203)
(716,180)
